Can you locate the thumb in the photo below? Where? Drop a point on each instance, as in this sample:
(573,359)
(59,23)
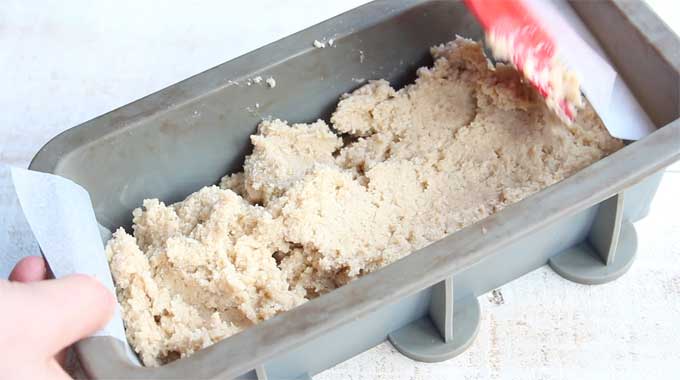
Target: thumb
(68,309)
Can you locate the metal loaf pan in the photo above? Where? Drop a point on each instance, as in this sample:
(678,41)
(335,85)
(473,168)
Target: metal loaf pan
(171,143)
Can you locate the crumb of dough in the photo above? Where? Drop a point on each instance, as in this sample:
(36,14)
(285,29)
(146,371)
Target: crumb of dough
(257,79)
(271,82)
(331,42)
(283,154)
(354,112)
(318,44)
(312,210)
(234,182)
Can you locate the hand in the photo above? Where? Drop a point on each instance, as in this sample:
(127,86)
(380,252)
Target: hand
(40,318)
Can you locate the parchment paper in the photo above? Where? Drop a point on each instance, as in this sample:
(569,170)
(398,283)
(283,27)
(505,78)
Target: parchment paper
(60,216)
(607,92)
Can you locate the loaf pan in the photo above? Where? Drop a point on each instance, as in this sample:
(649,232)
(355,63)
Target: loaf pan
(171,143)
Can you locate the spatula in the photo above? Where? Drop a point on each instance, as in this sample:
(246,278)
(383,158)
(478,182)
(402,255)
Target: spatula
(514,34)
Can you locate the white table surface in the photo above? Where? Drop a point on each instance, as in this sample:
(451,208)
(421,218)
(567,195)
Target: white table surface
(64,62)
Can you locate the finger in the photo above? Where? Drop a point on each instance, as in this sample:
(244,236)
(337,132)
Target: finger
(56,371)
(28,269)
(67,310)
(35,370)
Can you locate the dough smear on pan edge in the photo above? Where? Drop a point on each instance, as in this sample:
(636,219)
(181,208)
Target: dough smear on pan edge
(312,210)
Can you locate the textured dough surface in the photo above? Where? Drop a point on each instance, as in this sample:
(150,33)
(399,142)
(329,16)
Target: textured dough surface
(310,212)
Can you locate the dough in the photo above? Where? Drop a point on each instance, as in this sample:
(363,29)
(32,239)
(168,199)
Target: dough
(562,86)
(310,212)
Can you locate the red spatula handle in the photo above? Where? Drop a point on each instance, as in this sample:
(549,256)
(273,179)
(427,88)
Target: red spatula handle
(511,17)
